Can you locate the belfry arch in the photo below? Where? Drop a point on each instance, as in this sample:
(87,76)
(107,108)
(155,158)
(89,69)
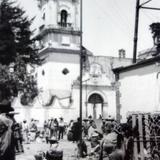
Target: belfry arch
(64,16)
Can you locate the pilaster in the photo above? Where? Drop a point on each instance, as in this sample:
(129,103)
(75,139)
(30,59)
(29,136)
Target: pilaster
(105,110)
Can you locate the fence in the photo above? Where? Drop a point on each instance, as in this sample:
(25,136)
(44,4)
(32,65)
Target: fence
(146,136)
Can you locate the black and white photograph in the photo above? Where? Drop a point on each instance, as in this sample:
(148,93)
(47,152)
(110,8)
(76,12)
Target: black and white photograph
(79,79)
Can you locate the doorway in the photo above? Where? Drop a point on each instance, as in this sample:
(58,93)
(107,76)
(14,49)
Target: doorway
(95,106)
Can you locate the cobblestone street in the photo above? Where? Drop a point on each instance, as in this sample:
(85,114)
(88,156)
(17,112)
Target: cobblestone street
(69,150)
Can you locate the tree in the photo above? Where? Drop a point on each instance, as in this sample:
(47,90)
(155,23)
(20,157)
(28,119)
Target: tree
(16,34)
(17,50)
(7,47)
(155,28)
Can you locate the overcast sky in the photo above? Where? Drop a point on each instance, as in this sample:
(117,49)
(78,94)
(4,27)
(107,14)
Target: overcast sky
(108,25)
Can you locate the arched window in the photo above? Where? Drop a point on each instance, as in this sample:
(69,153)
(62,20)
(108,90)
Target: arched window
(64,16)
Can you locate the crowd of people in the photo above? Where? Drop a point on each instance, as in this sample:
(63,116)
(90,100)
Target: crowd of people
(14,135)
(109,141)
(105,141)
(52,129)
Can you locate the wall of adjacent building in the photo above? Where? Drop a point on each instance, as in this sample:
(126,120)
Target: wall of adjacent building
(139,90)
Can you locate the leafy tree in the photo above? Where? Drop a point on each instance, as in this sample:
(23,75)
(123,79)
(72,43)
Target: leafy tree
(16,34)
(7,47)
(155,28)
(17,50)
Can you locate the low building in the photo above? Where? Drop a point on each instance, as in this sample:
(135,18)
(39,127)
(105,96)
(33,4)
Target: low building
(138,87)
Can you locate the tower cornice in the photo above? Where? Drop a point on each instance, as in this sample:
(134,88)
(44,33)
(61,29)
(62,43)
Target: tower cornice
(58,50)
(52,29)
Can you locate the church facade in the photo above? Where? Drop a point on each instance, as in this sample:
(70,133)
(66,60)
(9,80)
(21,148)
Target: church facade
(58,77)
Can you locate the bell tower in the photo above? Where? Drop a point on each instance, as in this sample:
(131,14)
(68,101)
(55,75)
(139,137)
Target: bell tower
(59,24)
(59,39)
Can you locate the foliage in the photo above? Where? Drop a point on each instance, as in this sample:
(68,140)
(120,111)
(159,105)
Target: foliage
(16,35)
(17,51)
(155,27)
(17,81)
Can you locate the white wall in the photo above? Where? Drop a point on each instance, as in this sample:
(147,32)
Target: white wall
(54,78)
(138,90)
(111,104)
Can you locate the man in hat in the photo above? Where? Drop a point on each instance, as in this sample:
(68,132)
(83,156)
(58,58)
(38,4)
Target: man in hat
(5,107)
(7,148)
(61,128)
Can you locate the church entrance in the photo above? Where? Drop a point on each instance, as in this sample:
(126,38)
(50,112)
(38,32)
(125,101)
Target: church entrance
(95,105)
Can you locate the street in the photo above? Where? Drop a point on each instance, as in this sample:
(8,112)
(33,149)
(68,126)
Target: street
(69,150)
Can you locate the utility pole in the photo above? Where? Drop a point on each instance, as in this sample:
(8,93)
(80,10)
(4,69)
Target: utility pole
(81,71)
(138,7)
(136,31)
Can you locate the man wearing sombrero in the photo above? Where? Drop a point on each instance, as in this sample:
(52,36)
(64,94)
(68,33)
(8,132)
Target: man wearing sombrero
(7,148)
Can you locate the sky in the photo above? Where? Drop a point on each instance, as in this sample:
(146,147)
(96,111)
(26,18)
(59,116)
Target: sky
(108,25)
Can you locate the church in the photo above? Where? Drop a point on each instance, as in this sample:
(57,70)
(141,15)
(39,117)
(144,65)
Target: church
(58,77)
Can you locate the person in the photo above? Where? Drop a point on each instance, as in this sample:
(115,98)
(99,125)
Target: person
(81,145)
(76,130)
(100,116)
(95,139)
(47,134)
(33,129)
(90,118)
(33,125)
(111,145)
(92,129)
(51,127)
(61,128)
(55,152)
(85,128)
(45,125)
(56,127)
(70,125)
(108,126)
(25,130)
(17,131)
(103,126)
(7,147)
(69,131)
